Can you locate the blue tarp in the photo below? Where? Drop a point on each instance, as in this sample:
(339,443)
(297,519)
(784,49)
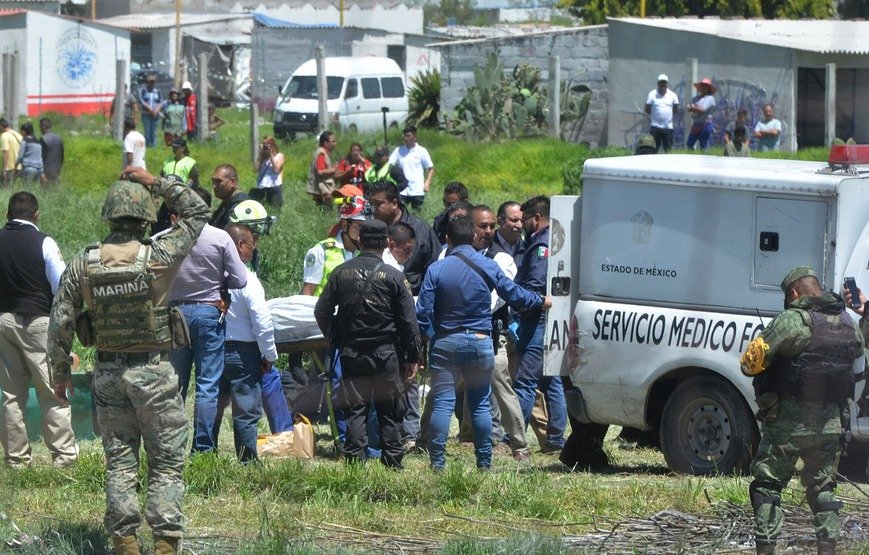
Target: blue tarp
(275,23)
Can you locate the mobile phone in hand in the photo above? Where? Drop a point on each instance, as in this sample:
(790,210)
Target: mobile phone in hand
(851,284)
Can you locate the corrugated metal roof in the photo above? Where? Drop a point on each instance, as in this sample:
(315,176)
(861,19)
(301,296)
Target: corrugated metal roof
(236,31)
(825,36)
(11,11)
(513,4)
(165,20)
(275,23)
(471,35)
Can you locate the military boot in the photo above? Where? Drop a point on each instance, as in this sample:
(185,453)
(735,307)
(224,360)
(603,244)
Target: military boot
(826,547)
(165,546)
(126,545)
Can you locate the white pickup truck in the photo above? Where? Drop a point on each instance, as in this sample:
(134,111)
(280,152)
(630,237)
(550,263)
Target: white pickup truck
(668,266)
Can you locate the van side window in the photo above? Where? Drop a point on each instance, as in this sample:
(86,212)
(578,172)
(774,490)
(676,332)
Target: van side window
(352,89)
(393,87)
(370,87)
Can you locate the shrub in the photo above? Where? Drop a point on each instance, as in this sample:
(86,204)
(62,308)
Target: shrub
(425,99)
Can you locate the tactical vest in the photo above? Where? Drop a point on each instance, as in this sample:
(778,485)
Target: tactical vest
(373,174)
(824,372)
(334,258)
(122,306)
(181,168)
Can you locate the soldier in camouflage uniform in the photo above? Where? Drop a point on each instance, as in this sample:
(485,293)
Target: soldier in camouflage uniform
(803,366)
(125,282)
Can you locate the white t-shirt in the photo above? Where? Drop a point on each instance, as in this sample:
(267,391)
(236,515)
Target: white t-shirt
(706,105)
(390,260)
(415,162)
(134,142)
(768,143)
(662,108)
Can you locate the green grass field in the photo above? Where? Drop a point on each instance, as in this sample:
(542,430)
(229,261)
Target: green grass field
(325,505)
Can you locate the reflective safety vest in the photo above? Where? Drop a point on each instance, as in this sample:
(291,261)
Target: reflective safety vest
(122,303)
(181,168)
(334,258)
(373,174)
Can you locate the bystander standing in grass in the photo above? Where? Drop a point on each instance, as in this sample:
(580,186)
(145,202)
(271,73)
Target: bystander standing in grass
(321,174)
(52,152)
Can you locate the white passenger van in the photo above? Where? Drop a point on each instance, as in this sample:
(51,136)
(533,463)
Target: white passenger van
(358,89)
(668,266)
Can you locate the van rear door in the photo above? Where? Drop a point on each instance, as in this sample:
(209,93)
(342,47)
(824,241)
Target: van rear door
(561,340)
(789,233)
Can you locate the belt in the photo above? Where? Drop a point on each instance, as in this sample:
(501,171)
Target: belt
(487,333)
(215,304)
(125,358)
(234,342)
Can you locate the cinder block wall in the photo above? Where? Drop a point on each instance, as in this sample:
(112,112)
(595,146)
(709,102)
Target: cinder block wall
(584,56)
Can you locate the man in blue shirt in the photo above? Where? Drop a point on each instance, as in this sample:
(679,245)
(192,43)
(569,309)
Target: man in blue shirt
(532,323)
(454,307)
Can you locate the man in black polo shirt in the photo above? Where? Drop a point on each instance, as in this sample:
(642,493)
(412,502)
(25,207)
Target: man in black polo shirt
(30,270)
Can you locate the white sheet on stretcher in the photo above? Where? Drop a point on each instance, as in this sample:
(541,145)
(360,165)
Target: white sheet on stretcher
(293,318)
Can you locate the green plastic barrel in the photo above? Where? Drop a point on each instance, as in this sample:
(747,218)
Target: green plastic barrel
(83,411)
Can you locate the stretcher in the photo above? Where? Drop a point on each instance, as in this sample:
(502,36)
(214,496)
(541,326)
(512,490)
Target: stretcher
(296,331)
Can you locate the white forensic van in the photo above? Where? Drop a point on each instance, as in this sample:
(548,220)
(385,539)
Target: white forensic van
(358,90)
(667,267)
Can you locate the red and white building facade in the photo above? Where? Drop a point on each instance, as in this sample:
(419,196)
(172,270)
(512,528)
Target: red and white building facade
(63,64)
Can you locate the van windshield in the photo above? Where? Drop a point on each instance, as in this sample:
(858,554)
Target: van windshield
(305,86)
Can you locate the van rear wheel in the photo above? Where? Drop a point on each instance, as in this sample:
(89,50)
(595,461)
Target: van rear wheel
(707,428)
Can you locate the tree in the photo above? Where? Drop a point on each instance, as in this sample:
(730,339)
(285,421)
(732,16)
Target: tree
(460,11)
(596,11)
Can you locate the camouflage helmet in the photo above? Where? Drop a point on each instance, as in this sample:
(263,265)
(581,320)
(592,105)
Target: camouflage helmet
(126,199)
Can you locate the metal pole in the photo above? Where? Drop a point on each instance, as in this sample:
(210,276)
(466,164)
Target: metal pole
(384,109)
(322,90)
(120,98)
(830,106)
(202,107)
(254,131)
(177,43)
(341,13)
(14,106)
(555,97)
(691,71)
(6,86)
(93,10)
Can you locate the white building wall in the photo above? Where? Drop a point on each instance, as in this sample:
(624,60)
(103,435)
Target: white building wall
(69,66)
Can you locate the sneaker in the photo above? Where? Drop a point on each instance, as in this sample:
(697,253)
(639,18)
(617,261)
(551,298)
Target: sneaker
(410,446)
(522,456)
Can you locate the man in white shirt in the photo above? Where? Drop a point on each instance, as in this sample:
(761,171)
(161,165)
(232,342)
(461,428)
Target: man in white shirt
(417,166)
(768,130)
(661,105)
(134,146)
(399,245)
(249,332)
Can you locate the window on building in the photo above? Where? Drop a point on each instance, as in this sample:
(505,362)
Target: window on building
(811,105)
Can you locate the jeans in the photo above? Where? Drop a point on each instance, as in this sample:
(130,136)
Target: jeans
(207,335)
(468,355)
(275,402)
(268,195)
(240,384)
(149,125)
(529,377)
(703,132)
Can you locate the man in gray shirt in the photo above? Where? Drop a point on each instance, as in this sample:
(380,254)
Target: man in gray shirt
(52,151)
(211,268)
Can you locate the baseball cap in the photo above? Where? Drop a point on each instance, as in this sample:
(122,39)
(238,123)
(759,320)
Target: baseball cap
(349,191)
(794,275)
(373,230)
(186,85)
(663,77)
(178,142)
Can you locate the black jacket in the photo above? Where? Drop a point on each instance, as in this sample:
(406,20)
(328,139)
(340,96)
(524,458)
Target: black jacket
(426,249)
(384,315)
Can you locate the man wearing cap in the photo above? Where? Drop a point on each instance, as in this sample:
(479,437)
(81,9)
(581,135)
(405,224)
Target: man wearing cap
(374,332)
(768,130)
(382,169)
(803,366)
(661,105)
(189,101)
(151,102)
(701,108)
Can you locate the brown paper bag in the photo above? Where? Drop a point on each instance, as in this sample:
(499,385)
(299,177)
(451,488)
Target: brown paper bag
(303,438)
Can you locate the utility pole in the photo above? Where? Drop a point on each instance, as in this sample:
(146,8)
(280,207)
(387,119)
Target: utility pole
(177,43)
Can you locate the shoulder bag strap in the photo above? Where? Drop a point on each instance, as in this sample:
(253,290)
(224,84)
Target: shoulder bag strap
(486,278)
